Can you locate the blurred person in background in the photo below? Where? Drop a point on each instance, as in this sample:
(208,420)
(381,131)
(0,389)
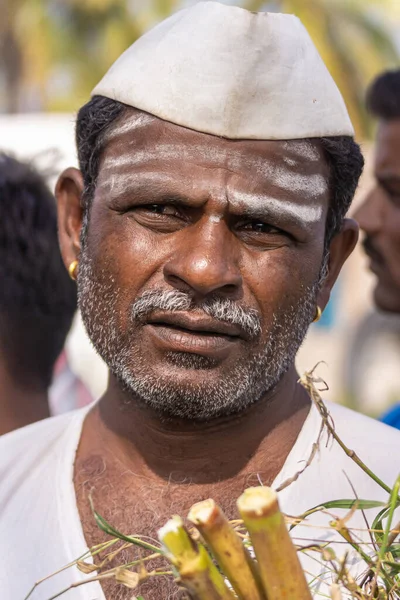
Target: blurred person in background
(379,215)
(37,302)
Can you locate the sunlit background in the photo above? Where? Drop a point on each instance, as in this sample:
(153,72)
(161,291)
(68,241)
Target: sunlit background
(53,52)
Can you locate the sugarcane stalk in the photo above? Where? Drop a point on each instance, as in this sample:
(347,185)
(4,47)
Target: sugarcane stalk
(177,541)
(228,549)
(197,572)
(280,569)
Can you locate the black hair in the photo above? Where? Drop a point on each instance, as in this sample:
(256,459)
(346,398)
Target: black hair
(346,164)
(342,154)
(383,96)
(37,297)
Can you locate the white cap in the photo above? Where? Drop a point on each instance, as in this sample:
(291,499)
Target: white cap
(230,72)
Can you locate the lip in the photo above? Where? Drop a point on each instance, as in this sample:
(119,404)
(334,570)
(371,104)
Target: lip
(195,334)
(195,323)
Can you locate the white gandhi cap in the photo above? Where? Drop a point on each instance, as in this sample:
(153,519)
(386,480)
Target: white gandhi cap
(230,72)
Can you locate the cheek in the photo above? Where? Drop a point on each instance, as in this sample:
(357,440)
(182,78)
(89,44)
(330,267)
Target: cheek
(277,279)
(130,253)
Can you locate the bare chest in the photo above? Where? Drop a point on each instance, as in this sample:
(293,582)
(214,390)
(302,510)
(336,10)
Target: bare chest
(138,506)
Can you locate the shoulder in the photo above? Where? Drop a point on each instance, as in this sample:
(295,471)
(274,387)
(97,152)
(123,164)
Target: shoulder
(376,444)
(360,426)
(26,448)
(41,431)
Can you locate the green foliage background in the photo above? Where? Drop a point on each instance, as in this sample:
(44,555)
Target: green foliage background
(53,52)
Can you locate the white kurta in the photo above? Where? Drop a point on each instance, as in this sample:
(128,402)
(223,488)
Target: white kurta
(40,530)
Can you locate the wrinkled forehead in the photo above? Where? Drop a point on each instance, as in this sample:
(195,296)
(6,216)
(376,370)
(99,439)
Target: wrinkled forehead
(138,138)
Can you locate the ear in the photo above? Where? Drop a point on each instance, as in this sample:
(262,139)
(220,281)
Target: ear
(68,192)
(342,245)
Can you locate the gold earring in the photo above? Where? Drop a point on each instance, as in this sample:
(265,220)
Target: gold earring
(72,269)
(318,314)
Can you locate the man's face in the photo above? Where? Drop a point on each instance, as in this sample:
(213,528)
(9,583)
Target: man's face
(200,271)
(379,217)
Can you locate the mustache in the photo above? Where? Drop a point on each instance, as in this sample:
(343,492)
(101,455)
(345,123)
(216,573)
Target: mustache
(221,309)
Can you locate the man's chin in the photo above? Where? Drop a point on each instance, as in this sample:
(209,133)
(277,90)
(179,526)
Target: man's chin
(189,361)
(189,387)
(181,374)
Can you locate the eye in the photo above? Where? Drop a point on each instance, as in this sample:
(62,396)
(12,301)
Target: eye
(159,217)
(263,235)
(161,209)
(157,212)
(260,227)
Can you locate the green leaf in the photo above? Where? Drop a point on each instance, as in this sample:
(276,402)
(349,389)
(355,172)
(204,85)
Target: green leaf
(110,530)
(395,551)
(394,566)
(345,503)
(377,522)
(393,503)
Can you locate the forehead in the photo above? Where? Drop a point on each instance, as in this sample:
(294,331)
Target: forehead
(387,154)
(139,141)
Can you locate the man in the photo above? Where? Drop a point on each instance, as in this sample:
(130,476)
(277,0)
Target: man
(205,229)
(37,298)
(379,215)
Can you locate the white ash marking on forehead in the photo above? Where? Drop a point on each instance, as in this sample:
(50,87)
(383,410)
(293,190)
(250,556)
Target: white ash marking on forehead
(304,184)
(290,161)
(286,175)
(303,148)
(258,203)
(135,157)
(135,121)
(287,179)
(117,183)
(112,164)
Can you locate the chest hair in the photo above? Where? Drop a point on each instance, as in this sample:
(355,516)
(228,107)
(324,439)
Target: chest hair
(136,505)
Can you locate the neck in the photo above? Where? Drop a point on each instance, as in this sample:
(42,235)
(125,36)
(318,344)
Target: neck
(257,440)
(19,406)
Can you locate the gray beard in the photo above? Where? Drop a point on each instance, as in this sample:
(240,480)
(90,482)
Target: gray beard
(251,378)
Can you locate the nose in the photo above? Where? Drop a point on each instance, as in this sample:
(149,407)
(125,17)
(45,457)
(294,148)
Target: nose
(205,261)
(370,214)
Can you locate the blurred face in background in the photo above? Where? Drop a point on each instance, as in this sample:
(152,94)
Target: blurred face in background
(379,218)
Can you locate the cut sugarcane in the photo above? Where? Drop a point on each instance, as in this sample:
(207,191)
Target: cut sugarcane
(228,549)
(197,572)
(278,563)
(176,540)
